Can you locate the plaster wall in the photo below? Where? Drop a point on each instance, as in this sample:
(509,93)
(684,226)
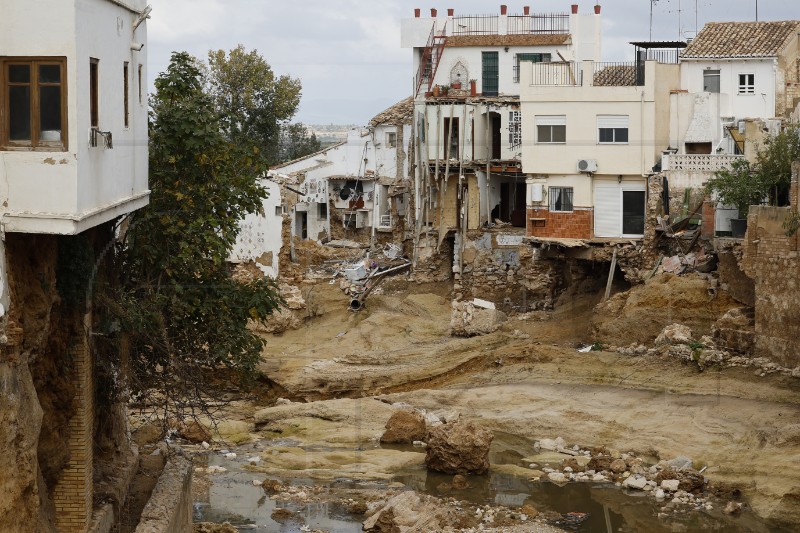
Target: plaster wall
(761,104)
(68,191)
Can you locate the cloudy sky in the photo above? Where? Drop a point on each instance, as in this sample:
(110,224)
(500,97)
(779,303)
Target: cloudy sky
(347,52)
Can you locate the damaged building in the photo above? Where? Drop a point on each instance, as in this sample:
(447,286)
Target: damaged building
(353,194)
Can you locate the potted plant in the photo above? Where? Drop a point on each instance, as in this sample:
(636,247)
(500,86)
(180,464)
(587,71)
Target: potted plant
(740,186)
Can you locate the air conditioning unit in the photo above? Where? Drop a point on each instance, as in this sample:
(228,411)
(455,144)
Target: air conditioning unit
(587,165)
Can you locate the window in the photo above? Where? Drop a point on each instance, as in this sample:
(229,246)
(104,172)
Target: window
(126,88)
(551,128)
(561,199)
(711,81)
(139,79)
(747,84)
(491,73)
(94,92)
(535,58)
(34,103)
(391,139)
(514,129)
(612,129)
(322,211)
(453,136)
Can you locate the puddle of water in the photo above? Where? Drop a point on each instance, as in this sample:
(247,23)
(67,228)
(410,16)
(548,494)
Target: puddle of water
(233,498)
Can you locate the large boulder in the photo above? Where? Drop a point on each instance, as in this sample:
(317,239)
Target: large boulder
(470,320)
(404,427)
(458,448)
(674,334)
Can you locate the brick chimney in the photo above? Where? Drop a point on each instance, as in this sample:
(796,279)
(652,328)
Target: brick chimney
(450,11)
(503,9)
(597,9)
(574,9)
(526,10)
(416,12)
(433,12)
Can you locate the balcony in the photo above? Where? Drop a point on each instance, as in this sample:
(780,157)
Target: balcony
(539,23)
(565,73)
(698,162)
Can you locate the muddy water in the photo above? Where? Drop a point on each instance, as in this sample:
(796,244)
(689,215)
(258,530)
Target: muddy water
(233,497)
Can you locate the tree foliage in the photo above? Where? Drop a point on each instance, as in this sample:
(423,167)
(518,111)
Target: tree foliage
(252,102)
(766,179)
(296,142)
(184,314)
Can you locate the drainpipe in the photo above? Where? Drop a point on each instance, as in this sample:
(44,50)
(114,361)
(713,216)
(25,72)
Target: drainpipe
(641,126)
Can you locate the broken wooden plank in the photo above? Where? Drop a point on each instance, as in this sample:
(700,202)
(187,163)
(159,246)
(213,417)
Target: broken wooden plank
(611,274)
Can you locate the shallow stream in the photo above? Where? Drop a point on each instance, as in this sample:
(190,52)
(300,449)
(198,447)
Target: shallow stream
(232,497)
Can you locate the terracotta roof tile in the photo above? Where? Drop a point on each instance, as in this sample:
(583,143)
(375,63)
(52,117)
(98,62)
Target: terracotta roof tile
(742,39)
(400,113)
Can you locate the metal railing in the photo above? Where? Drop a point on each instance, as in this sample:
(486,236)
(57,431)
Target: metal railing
(475,25)
(669,56)
(618,74)
(699,162)
(556,74)
(539,23)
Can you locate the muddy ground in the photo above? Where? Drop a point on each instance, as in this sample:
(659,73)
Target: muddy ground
(343,372)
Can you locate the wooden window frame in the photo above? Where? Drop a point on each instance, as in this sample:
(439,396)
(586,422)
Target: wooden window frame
(94,92)
(749,85)
(35,144)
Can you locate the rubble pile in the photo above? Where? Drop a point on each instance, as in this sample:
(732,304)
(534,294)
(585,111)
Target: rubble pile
(475,317)
(676,341)
(673,482)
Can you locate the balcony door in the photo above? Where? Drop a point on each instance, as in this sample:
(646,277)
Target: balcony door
(491,73)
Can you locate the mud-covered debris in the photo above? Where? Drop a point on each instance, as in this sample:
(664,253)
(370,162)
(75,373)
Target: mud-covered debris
(404,427)
(458,448)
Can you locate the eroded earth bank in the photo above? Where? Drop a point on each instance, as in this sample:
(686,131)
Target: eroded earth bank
(642,433)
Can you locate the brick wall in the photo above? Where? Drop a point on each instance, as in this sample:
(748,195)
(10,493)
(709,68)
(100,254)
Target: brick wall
(708,226)
(577,224)
(73,493)
(772,259)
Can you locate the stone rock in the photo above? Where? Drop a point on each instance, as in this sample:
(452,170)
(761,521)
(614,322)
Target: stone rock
(194,431)
(660,494)
(467,320)
(408,512)
(680,463)
(148,433)
(552,444)
(691,481)
(618,466)
(557,477)
(529,510)
(635,482)
(458,448)
(404,427)
(674,334)
(460,482)
(670,485)
(732,508)
(599,463)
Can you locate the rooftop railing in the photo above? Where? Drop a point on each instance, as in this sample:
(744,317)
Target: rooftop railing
(556,74)
(475,25)
(539,23)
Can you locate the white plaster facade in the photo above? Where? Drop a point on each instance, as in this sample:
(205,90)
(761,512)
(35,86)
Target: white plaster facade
(618,166)
(68,189)
(306,189)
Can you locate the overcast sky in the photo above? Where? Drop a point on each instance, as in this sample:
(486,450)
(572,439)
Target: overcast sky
(347,52)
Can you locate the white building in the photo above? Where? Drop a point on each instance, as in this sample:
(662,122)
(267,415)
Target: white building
(592,140)
(73,142)
(356,190)
(73,156)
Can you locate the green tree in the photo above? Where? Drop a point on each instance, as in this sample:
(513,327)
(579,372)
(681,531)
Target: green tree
(296,142)
(766,179)
(252,102)
(185,316)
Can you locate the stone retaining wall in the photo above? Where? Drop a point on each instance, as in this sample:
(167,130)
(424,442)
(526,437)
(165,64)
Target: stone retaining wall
(170,507)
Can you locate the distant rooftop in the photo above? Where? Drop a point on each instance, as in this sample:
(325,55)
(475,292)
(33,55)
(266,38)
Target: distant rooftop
(399,114)
(742,39)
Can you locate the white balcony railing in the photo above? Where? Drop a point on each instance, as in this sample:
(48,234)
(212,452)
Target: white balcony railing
(699,162)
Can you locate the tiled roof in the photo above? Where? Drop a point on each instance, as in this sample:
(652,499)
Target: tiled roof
(615,76)
(400,113)
(535,39)
(742,39)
